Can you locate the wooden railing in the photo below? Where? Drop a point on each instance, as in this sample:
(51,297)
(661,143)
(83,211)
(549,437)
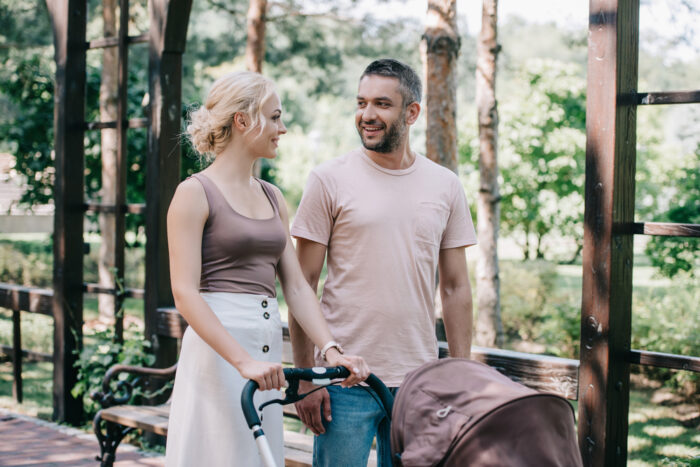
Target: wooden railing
(541,372)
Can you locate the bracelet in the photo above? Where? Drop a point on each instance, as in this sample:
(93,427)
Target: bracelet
(328,346)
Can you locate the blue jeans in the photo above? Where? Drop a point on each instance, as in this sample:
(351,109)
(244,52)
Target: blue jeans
(356,418)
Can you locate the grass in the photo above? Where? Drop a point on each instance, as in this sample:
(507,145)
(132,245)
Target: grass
(657,435)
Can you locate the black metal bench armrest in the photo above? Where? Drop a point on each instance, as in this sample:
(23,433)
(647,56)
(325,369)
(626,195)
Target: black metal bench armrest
(108,398)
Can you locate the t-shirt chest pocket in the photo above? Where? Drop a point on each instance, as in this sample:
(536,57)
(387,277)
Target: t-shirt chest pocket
(429,222)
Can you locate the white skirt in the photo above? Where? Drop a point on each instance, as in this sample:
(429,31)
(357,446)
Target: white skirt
(206,426)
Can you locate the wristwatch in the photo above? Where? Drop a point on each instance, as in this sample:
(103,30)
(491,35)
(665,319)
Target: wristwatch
(328,346)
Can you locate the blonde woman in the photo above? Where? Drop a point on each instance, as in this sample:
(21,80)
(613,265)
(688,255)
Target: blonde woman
(228,239)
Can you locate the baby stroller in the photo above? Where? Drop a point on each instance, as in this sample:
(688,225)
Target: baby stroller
(456,412)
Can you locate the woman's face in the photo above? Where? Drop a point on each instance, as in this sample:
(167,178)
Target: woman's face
(265,137)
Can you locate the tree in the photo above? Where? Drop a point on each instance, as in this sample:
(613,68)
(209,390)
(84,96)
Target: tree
(26,95)
(543,144)
(440,48)
(109,141)
(489,329)
(255,49)
(255,45)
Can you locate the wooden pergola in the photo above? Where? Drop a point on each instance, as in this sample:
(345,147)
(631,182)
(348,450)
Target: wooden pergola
(600,381)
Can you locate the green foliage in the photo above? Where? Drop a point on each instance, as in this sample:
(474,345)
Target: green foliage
(37,331)
(536,309)
(30,263)
(99,353)
(542,153)
(666,320)
(675,254)
(26,263)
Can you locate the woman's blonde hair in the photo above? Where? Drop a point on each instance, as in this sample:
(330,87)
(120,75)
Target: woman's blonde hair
(209,128)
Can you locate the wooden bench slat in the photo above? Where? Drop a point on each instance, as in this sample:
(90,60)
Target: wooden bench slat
(149,418)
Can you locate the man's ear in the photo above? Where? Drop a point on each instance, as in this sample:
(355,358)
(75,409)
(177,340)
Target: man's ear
(240,121)
(412,112)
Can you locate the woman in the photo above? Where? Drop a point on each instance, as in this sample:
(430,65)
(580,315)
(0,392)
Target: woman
(228,236)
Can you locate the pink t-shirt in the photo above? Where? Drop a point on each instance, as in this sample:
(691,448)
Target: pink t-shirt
(383,229)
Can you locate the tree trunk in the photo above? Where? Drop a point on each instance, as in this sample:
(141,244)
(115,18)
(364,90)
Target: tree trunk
(255,47)
(489,329)
(108,113)
(440,48)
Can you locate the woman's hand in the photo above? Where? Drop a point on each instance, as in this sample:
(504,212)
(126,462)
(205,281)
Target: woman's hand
(359,371)
(267,375)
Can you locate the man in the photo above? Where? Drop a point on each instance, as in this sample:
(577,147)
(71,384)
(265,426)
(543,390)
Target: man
(387,219)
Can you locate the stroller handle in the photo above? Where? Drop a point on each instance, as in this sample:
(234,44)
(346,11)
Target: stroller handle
(318,375)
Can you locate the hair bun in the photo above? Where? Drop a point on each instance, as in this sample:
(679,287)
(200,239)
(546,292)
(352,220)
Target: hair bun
(200,131)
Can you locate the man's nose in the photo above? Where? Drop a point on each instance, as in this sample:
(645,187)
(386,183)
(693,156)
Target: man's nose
(369,113)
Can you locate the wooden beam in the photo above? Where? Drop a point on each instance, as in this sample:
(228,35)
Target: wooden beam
(130,208)
(664,360)
(675,97)
(168,34)
(666,229)
(69,22)
(131,123)
(541,372)
(114,41)
(31,299)
(607,255)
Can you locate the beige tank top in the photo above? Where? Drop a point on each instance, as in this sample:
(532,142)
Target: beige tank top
(239,254)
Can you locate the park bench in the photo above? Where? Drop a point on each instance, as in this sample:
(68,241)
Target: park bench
(117,418)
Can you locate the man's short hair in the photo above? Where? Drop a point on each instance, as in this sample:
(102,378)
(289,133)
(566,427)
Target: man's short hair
(410,86)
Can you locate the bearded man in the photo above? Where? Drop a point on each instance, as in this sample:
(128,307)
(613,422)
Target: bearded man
(386,220)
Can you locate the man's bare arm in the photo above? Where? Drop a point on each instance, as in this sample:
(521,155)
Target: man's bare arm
(456,295)
(311,256)
(310,409)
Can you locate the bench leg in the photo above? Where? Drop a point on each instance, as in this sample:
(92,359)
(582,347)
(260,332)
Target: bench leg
(109,438)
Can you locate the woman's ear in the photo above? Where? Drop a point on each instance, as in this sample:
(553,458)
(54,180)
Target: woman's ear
(240,121)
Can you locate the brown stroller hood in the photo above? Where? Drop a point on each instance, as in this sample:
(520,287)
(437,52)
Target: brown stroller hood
(458,412)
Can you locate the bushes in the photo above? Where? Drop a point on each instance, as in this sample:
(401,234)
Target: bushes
(26,262)
(30,263)
(666,320)
(537,308)
(99,353)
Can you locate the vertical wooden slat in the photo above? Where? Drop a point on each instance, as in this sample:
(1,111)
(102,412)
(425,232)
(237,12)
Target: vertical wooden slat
(69,23)
(607,258)
(168,31)
(120,198)
(16,356)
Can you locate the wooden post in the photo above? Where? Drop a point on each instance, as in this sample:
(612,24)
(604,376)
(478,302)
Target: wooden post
(120,195)
(69,23)
(607,254)
(16,356)
(168,32)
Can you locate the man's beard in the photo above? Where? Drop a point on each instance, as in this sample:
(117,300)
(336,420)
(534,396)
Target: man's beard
(391,139)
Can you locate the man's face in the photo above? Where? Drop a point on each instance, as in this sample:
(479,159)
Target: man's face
(380,117)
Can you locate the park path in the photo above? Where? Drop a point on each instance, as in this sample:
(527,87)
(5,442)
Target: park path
(26,441)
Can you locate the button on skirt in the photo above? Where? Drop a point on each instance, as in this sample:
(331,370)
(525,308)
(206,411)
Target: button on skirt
(206,425)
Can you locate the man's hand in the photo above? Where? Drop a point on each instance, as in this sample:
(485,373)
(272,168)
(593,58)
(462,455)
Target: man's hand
(312,407)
